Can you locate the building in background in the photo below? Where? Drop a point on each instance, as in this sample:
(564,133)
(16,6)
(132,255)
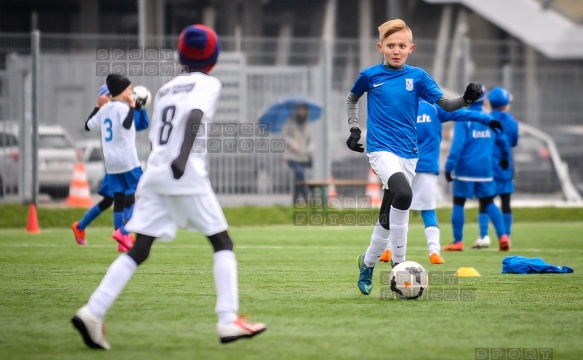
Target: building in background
(273,48)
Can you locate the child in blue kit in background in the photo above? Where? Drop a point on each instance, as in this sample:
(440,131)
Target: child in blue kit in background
(469,166)
(500,99)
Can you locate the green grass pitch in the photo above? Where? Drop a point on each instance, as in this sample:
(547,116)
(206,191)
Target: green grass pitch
(301,281)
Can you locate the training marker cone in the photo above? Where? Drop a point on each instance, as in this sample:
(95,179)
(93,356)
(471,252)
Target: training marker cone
(374,189)
(467,271)
(332,194)
(79,195)
(32,222)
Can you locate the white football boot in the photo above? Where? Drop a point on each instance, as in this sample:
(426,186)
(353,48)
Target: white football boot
(91,328)
(238,329)
(482,243)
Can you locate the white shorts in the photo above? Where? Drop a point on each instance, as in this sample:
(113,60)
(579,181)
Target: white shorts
(160,215)
(424,191)
(385,164)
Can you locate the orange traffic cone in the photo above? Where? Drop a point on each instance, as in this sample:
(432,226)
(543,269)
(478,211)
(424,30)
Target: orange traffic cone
(374,189)
(79,195)
(332,194)
(32,223)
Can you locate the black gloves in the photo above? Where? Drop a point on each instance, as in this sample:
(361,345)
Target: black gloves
(177,169)
(473,92)
(448,176)
(504,163)
(352,141)
(140,103)
(495,125)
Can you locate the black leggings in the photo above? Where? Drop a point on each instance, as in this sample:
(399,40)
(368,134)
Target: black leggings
(399,195)
(105,203)
(141,249)
(505,202)
(483,202)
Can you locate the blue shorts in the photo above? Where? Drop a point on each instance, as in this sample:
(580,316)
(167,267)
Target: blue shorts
(504,187)
(125,183)
(104,188)
(467,189)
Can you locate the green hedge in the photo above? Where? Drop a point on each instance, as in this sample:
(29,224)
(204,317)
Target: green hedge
(15,216)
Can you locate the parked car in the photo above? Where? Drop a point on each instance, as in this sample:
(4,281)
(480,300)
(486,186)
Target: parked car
(8,159)
(56,159)
(93,157)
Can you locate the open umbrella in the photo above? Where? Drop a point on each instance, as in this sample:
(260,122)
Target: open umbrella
(277,113)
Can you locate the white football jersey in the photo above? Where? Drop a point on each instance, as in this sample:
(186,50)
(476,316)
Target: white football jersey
(172,106)
(118,143)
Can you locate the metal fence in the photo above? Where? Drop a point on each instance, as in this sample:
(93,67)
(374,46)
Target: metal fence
(257,72)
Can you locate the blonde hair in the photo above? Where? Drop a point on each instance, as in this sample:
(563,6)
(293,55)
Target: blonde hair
(392,26)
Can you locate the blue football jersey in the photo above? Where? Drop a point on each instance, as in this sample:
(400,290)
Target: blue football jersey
(429,129)
(392,102)
(511,131)
(470,156)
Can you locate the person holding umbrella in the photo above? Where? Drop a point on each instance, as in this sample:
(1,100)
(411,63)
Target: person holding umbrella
(292,116)
(298,149)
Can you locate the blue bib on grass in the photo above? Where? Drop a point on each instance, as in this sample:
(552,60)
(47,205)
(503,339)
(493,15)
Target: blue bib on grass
(522,265)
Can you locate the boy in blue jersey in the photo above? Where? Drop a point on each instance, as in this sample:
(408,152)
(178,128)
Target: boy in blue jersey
(499,99)
(141,122)
(394,89)
(470,161)
(424,185)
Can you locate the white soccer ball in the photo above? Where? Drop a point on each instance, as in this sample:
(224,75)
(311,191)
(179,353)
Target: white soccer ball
(141,92)
(408,280)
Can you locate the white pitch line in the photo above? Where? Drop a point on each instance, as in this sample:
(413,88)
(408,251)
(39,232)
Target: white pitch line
(275,247)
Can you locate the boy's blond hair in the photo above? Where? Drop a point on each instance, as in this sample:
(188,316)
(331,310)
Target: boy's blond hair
(392,26)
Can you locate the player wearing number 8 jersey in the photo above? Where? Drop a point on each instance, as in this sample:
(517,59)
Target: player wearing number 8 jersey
(173,105)
(176,192)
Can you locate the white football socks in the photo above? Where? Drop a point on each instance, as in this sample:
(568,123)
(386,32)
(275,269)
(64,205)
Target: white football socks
(432,235)
(124,267)
(378,243)
(119,273)
(226,282)
(399,224)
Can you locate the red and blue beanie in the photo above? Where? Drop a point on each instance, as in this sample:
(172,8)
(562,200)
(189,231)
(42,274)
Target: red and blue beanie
(198,47)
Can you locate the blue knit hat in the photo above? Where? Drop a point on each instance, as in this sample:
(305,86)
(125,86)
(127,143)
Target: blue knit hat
(103,90)
(499,97)
(198,47)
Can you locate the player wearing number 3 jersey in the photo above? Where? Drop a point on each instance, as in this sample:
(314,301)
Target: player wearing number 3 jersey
(115,121)
(176,192)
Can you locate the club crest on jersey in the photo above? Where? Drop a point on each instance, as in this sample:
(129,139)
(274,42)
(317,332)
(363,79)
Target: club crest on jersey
(409,84)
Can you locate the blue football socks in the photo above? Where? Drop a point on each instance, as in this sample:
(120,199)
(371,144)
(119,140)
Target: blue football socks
(483,222)
(457,222)
(496,217)
(90,215)
(507,223)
